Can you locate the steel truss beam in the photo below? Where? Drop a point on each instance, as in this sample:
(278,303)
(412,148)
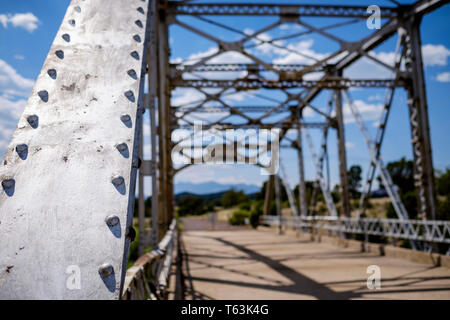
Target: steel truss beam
(221,109)
(69,174)
(268,126)
(420,131)
(253,84)
(237,9)
(233,67)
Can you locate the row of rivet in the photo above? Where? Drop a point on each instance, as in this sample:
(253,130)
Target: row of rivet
(105,270)
(33,120)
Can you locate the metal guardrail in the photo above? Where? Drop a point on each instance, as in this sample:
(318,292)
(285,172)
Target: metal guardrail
(435,231)
(147,278)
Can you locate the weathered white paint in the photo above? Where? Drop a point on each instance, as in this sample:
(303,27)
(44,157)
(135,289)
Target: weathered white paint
(63,189)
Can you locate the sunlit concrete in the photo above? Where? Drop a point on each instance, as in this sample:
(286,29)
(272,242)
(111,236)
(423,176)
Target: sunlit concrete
(255,264)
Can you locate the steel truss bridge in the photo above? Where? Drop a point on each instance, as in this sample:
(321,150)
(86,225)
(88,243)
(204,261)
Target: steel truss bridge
(76,159)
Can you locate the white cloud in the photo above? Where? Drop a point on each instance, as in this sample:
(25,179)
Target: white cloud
(226,57)
(27,21)
(12,108)
(369,112)
(12,83)
(305,48)
(443,77)
(10,112)
(435,55)
(290,26)
(366,68)
(376,97)
(4,20)
(14,90)
(261,43)
(184,96)
(349,145)
(19,57)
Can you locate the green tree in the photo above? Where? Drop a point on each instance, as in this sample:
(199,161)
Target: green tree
(402,173)
(283,192)
(443,191)
(190,205)
(443,183)
(444,209)
(257,211)
(354,180)
(410,201)
(309,186)
(233,197)
(238,217)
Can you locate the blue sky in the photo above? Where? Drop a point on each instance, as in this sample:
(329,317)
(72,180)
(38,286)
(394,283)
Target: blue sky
(27,29)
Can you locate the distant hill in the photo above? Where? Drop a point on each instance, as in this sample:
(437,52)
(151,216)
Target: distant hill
(208,188)
(209,196)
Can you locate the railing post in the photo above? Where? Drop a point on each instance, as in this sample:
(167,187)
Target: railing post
(278,201)
(366,235)
(269,195)
(301,184)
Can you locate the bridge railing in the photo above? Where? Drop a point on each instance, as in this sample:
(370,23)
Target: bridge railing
(432,231)
(147,278)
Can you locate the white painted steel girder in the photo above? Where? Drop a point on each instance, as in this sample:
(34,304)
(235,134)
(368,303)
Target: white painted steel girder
(70,162)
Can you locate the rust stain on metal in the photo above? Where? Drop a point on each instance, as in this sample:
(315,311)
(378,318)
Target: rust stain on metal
(68,88)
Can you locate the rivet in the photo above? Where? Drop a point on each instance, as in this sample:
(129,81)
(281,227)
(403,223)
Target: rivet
(33,121)
(132,73)
(139,23)
(52,73)
(140,10)
(72,22)
(117,181)
(137,38)
(66,37)
(22,151)
(7,183)
(122,147)
(43,95)
(8,186)
(112,220)
(125,118)
(60,54)
(105,270)
(135,55)
(130,95)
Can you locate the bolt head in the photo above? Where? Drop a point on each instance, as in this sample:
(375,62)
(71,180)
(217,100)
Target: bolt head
(21,148)
(122,147)
(112,220)
(118,180)
(125,118)
(7,183)
(105,270)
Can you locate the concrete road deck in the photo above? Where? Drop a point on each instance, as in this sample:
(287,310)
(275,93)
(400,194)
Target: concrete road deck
(254,264)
